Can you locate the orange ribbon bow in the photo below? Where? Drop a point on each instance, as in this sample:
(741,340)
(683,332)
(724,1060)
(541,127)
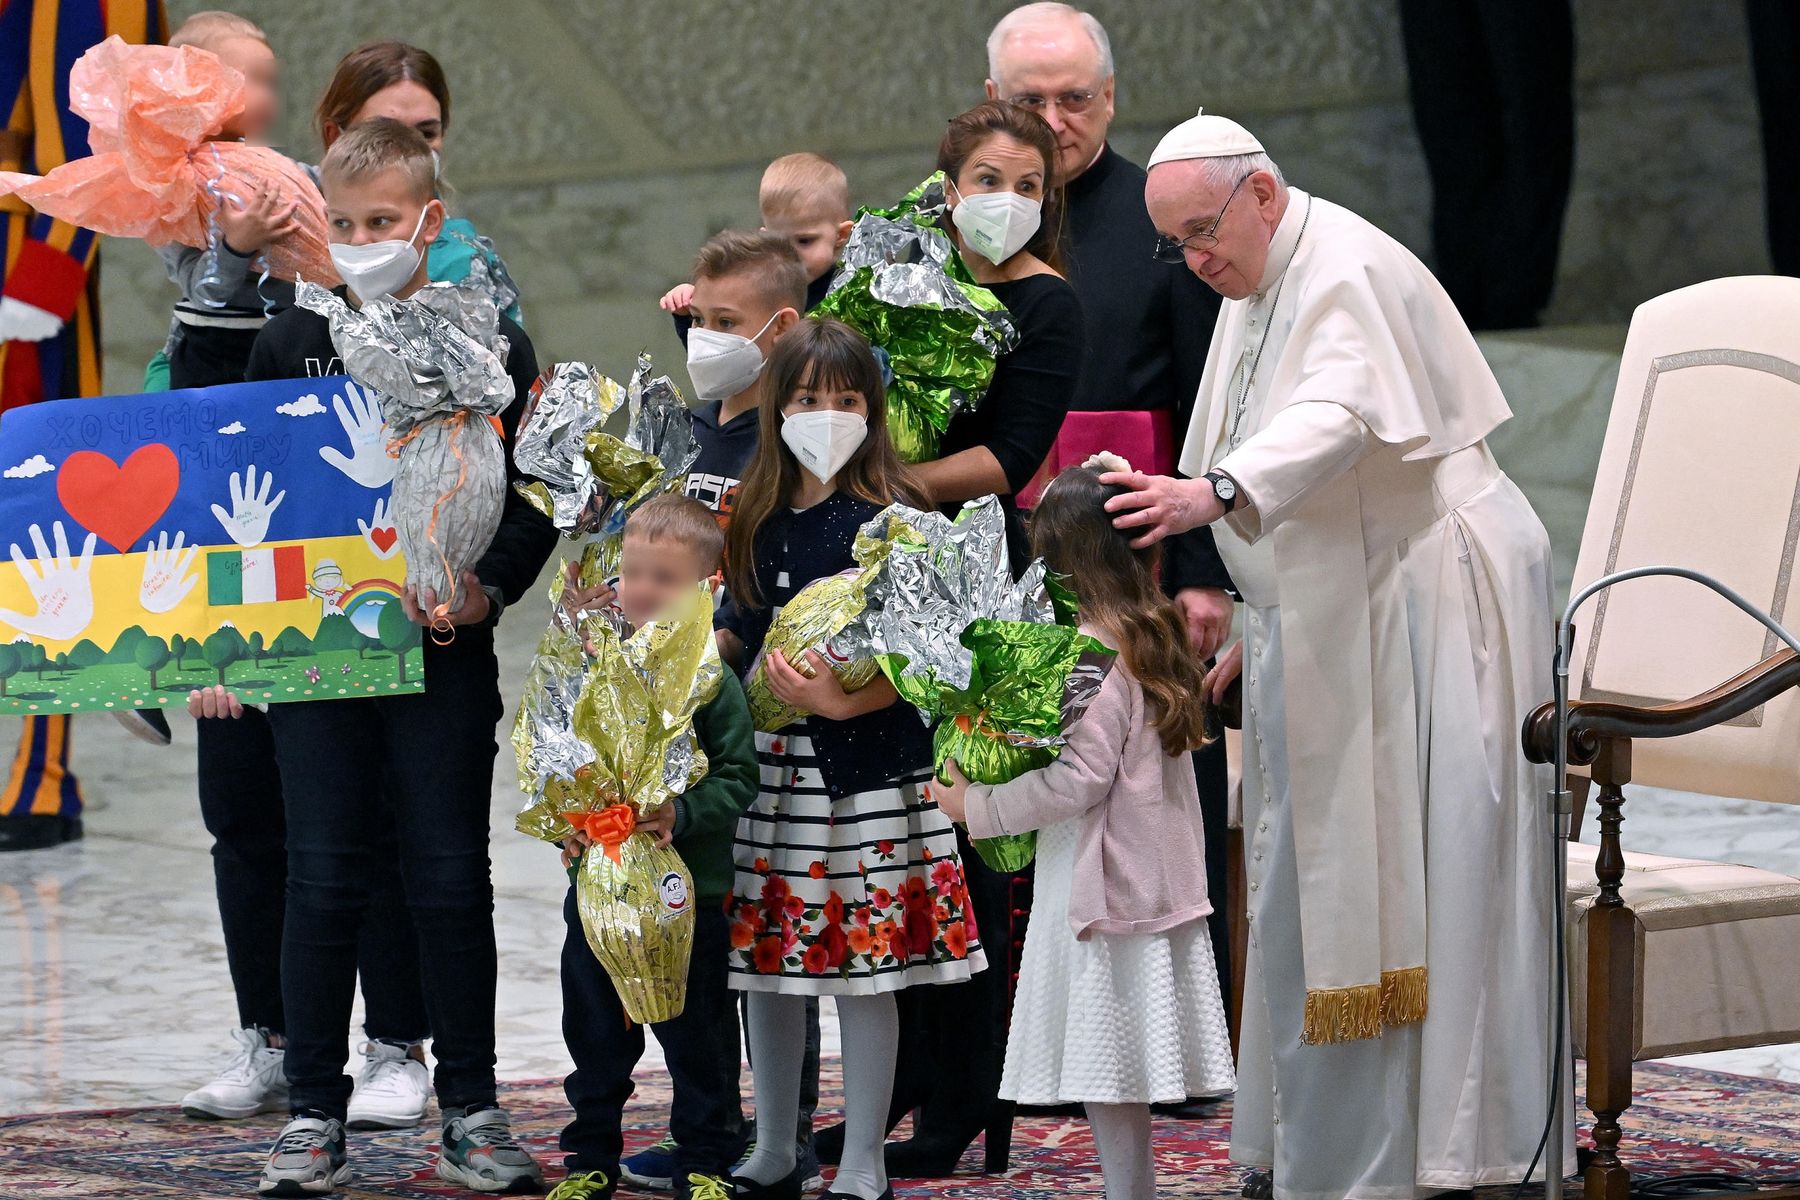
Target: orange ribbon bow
(607,828)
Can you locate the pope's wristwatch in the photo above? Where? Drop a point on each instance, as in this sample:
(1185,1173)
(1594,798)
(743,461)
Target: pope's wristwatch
(1224,487)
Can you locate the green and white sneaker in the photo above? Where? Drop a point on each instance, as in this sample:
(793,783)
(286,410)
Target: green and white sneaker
(308,1159)
(481,1154)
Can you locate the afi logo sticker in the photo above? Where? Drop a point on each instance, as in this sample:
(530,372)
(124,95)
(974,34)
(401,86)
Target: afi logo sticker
(674,890)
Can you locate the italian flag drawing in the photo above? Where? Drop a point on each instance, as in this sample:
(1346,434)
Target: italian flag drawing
(260,576)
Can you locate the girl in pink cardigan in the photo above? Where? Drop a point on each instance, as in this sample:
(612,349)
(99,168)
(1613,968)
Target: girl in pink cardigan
(1118,1002)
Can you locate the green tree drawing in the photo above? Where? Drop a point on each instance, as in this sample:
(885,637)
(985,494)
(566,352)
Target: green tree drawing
(397,633)
(124,650)
(36,661)
(11,663)
(152,654)
(256,648)
(335,633)
(224,648)
(291,643)
(62,664)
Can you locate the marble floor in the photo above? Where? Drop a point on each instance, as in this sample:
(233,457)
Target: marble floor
(113,988)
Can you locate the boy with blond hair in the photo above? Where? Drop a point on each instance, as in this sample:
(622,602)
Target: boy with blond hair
(428,759)
(805,198)
(671,545)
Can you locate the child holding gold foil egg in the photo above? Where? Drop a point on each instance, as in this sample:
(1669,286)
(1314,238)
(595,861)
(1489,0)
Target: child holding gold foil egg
(671,544)
(848,880)
(1118,938)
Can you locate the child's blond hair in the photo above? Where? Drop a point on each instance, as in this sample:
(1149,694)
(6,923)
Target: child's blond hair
(804,185)
(382,144)
(208,29)
(684,521)
(768,257)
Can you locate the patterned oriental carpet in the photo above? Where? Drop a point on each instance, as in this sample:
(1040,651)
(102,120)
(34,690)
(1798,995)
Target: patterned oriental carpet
(1684,1121)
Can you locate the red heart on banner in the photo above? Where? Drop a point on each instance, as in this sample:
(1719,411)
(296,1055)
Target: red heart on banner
(384,537)
(119,502)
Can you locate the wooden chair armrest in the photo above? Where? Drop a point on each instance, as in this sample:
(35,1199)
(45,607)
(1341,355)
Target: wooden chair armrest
(1590,721)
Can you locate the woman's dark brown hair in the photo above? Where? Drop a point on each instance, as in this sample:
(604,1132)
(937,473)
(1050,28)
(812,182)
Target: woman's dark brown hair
(370,69)
(969,131)
(818,354)
(1074,535)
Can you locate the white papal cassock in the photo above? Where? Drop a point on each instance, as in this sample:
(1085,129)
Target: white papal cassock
(1398,589)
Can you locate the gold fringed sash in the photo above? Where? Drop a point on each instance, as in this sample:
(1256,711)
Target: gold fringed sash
(1353,1014)
(1403,996)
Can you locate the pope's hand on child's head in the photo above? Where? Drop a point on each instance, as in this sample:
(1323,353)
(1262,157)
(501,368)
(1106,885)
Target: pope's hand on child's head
(659,823)
(473,608)
(214,701)
(678,299)
(952,797)
(822,693)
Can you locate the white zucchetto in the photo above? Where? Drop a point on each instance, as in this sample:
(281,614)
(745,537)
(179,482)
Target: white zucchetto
(1201,136)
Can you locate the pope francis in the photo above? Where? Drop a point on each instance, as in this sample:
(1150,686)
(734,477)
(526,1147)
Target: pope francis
(1398,627)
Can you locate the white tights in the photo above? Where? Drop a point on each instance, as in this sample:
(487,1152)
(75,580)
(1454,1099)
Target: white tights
(1122,1136)
(870,1028)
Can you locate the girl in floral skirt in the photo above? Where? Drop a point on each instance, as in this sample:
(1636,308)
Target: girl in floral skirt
(848,880)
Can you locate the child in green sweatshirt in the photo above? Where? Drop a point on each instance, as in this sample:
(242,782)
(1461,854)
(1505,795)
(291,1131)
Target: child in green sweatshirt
(671,543)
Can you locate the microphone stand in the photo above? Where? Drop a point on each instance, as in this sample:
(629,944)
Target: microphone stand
(1561,808)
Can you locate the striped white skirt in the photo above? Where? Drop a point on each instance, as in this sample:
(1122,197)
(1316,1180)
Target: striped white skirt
(855,896)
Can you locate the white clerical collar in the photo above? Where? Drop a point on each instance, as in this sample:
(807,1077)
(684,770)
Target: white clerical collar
(1286,239)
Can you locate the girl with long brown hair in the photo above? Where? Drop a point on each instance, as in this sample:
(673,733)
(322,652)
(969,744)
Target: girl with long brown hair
(848,882)
(1118,938)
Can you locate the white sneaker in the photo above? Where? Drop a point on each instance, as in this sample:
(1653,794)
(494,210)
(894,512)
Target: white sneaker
(392,1089)
(251,1082)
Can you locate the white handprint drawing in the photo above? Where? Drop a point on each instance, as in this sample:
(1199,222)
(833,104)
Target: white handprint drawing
(247,523)
(61,585)
(369,462)
(379,529)
(166,579)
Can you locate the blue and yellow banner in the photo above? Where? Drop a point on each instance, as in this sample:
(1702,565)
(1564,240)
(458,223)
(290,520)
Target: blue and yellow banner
(236,535)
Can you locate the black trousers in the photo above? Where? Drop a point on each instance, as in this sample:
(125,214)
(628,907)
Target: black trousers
(241,804)
(432,757)
(1775,58)
(1493,96)
(1215,813)
(700,1047)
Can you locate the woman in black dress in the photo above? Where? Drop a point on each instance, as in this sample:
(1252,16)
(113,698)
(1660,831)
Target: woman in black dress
(1005,218)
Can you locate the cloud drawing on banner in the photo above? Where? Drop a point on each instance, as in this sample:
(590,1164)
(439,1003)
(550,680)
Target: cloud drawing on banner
(306,406)
(31,468)
(233,428)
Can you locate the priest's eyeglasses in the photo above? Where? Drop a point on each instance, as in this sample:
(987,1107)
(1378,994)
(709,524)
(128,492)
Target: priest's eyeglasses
(1170,250)
(1073,103)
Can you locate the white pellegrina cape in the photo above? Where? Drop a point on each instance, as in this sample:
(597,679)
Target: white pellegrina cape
(1408,583)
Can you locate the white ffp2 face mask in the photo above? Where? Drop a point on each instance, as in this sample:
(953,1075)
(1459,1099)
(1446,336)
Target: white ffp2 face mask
(375,269)
(996,225)
(723,364)
(823,442)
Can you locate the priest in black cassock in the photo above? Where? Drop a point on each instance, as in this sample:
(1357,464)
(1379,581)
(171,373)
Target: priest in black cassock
(1148,324)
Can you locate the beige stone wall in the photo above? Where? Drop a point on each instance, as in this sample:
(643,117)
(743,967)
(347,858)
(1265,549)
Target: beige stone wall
(599,141)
